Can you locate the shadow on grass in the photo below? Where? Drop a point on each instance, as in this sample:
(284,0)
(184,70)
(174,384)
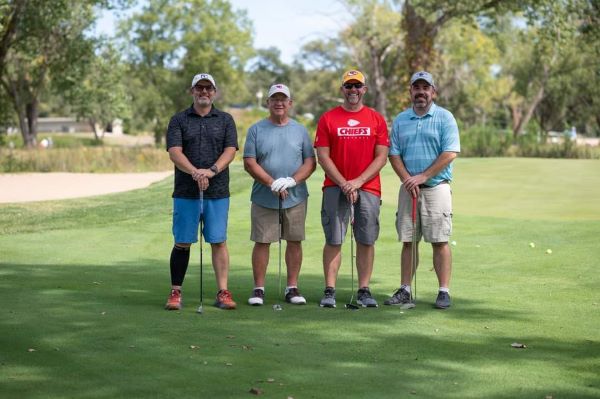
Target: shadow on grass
(100,331)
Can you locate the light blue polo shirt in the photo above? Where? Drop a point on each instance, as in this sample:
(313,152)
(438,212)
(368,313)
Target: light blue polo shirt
(280,151)
(419,140)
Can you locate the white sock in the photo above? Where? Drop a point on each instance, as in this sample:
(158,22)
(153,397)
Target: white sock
(445,289)
(405,288)
(260,288)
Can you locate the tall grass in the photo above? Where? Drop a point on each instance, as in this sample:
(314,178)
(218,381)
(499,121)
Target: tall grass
(486,141)
(84,159)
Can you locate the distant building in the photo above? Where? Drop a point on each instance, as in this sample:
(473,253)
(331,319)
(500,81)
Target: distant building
(72,125)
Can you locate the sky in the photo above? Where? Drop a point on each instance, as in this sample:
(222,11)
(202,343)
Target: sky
(286,25)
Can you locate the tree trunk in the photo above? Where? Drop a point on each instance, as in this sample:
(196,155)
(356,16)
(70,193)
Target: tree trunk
(97,129)
(32,110)
(419,39)
(379,80)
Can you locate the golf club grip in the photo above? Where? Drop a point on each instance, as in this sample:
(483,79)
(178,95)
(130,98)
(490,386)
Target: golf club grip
(414,209)
(280,215)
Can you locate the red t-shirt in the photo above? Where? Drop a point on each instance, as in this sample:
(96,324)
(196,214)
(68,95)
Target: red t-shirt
(351,138)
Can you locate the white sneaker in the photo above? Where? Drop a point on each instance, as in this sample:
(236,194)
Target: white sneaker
(293,296)
(257,298)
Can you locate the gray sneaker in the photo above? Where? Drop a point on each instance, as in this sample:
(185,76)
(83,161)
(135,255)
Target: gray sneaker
(443,300)
(365,299)
(400,297)
(328,300)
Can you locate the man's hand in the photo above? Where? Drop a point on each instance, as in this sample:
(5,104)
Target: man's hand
(283,183)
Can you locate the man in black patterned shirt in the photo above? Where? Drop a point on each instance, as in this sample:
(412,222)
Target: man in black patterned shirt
(202,142)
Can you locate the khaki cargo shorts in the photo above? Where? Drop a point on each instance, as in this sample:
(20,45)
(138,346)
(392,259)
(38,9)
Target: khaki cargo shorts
(265,223)
(434,214)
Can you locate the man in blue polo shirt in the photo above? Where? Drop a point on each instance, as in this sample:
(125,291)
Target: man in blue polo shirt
(424,143)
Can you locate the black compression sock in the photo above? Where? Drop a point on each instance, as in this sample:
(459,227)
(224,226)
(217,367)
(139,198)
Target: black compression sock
(180,258)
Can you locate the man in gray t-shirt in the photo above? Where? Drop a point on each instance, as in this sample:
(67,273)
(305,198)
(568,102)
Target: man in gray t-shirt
(278,154)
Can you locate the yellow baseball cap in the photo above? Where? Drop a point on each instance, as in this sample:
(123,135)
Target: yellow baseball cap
(353,75)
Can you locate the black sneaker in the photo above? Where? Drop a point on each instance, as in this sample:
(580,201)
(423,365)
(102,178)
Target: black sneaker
(328,300)
(400,297)
(365,299)
(443,300)
(293,296)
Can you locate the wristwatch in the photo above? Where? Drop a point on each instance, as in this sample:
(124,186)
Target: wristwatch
(214,169)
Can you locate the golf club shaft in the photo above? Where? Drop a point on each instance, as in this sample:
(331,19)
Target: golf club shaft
(201,263)
(352,247)
(280,218)
(414,250)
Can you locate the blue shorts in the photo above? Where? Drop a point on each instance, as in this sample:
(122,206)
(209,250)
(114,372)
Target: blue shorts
(186,220)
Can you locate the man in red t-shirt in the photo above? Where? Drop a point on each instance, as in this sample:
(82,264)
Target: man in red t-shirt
(352,146)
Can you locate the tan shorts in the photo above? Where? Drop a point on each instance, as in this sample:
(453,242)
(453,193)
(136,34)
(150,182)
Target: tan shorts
(265,223)
(434,214)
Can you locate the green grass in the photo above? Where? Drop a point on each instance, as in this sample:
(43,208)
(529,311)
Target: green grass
(83,283)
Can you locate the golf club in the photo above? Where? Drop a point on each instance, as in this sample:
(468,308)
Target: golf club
(277,306)
(413,257)
(350,305)
(199,310)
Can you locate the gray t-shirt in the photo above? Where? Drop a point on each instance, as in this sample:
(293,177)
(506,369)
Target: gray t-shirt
(280,151)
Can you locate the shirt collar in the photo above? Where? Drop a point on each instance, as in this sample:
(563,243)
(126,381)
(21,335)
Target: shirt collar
(213,111)
(430,113)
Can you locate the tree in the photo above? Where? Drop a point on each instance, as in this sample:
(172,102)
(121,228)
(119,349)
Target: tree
(537,58)
(266,69)
(169,42)
(102,96)
(423,19)
(48,43)
(375,43)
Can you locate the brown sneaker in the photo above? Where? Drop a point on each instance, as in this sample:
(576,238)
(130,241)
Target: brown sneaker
(224,300)
(174,301)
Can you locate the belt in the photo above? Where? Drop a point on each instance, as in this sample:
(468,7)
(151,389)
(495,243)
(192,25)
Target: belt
(426,186)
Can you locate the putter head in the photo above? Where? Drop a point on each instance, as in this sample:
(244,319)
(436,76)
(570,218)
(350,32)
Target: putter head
(199,310)
(409,305)
(277,307)
(351,306)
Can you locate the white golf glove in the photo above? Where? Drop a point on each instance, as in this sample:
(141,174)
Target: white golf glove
(283,183)
(289,183)
(278,184)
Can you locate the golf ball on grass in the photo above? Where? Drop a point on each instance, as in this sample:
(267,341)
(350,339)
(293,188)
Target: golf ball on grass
(453,243)
(532,245)
(548,251)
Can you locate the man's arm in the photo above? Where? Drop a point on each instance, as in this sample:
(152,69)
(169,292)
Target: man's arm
(324,159)
(305,170)
(257,172)
(412,182)
(381,152)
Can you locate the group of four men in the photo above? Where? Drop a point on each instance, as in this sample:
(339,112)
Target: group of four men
(352,146)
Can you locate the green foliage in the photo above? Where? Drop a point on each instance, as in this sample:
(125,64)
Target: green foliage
(102,96)
(49,48)
(169,42)
(483,141)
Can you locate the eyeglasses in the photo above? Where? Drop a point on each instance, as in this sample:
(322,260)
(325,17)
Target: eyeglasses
(201,88)
(349,86)
(279,100)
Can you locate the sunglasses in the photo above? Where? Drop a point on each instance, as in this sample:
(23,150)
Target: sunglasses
(201,88)
(349,86)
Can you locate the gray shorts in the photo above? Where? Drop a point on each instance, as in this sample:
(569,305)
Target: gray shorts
(265,223)
(434,214)
(335,215)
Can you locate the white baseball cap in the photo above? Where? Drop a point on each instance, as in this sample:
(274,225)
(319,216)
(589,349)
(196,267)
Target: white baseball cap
(203,76)
(422,75)
(279,88)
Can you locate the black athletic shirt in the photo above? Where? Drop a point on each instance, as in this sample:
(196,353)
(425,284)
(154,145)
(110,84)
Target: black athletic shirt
(203,139)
